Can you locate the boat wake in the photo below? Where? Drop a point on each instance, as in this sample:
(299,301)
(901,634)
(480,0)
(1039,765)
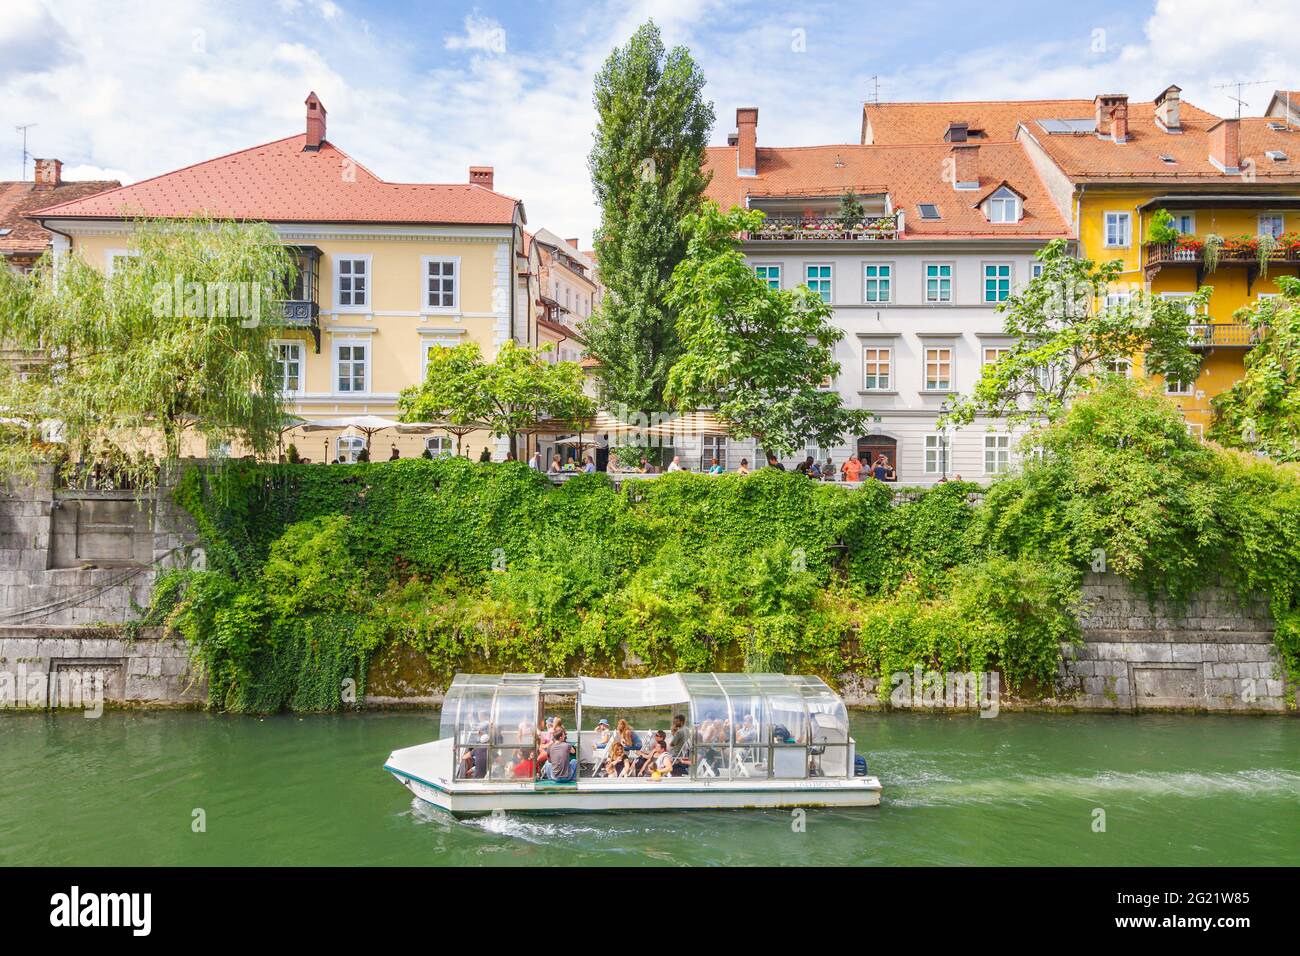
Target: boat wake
(1241,783)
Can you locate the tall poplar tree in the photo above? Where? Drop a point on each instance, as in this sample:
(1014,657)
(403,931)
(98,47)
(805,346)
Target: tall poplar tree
(647,173)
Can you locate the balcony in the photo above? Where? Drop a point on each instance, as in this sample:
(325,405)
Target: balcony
(1212,335)
(827,228)
(1240,253)
(300,310)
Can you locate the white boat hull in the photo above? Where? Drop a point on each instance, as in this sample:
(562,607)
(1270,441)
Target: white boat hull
(422,771)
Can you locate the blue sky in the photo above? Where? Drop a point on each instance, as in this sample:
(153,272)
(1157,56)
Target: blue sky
(418,91)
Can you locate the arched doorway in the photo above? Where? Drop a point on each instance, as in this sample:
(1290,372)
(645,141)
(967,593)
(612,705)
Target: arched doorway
(871,447)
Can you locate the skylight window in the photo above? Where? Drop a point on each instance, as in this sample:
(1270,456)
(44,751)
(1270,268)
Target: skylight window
(1166,158)
(1276,155)
(1277,127)
(928,210)
(1067,126)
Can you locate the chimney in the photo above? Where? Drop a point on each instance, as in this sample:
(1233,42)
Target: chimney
(49,173)
(1119,122)
(482,176)
(747,141)
(966,166)
(315,123)
(1225,145)
(957,132)
(1167,109)
(1104,108)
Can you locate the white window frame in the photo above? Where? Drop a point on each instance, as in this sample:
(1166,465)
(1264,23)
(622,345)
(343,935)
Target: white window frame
(367,364)
(335,262)
(1119,216)
(830,279)
(1187,389)
(1175,296)
(1115,299)
(425,306)
(926,277)
(356,442)
(427,342)
(433,441)
(1002,201)
(298,344)
(1195,429)
(889,350)
(1191,223)
(939,362)
(768,276)
(1035,270)
(985,277)
(112,255)
(1122,367)
(887,278)
(1001,451)
(998,350)
(1281,223)
(937,450)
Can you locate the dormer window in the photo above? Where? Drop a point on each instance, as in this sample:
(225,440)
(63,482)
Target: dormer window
(1003,206)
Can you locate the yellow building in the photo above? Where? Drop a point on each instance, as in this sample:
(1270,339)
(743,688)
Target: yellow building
(1111,166)
(387,271)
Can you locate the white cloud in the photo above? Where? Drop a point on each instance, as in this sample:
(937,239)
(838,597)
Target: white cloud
(166,83)
(83,172)
(481,33)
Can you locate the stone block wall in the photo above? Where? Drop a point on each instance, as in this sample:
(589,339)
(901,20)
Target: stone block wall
(71,557)
(82,668)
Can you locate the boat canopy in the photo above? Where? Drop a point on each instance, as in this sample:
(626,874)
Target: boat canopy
(777,725)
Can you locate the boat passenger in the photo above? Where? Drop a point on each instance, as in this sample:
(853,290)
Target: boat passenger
(629,740)
(680,748)
(658,763)
(561,764)
(647,753)
(617,764)
(525,765)
(602,733)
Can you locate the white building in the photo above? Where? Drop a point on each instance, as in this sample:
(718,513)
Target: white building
(947,231)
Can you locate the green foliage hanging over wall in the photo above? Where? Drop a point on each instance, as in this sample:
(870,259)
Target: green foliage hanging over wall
(314,570)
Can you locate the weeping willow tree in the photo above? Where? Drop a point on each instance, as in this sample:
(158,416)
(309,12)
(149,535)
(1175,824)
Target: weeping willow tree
(114,368)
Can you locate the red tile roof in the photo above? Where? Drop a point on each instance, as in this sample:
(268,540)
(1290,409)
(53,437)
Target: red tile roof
(909,174)
(1087,156)
(280,182)
(20,199)
(1090,158)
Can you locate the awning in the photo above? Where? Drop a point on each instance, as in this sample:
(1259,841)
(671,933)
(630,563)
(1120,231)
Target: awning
(646,692)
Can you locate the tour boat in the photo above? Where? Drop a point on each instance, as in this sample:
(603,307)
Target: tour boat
(751,741)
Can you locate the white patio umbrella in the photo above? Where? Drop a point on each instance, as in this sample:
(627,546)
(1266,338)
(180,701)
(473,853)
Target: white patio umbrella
(365,425)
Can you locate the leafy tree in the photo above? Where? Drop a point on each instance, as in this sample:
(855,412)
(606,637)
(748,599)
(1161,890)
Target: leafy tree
(178,337)
(507,395)
(850,209)
(1261,412)
(1063,343)
(647,173)
(756,355)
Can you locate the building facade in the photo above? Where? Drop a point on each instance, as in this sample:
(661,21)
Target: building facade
(947,232)
(387,271)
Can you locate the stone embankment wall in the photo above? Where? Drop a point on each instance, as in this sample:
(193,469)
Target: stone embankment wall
(73,562)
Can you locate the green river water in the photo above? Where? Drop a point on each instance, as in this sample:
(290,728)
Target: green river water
(1017,789)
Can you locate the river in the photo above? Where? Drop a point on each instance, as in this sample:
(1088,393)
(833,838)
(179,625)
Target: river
(132,788)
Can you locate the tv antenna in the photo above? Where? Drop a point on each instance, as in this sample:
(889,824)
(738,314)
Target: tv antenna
(875,89)
(1239,85)
(23,129)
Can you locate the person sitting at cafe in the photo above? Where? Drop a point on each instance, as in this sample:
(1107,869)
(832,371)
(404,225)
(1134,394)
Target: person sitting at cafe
(715,468)
(561,764)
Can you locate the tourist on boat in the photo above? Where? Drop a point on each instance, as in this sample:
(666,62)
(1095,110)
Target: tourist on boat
(525,765)
(630,741)
(647,754)
(744,467)
(659,763)
(561,764)
(747,730)
(474,762)
(680,748)
(616,763)
(602,733)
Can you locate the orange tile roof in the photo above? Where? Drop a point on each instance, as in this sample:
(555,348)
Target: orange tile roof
(909,174)
(18,200)
(280,182)
(1090,158)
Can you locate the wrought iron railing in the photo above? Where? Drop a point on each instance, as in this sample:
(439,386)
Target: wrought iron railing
(827,227)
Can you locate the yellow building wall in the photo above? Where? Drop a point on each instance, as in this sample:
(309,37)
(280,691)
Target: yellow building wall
(395,327)
(1221,366)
